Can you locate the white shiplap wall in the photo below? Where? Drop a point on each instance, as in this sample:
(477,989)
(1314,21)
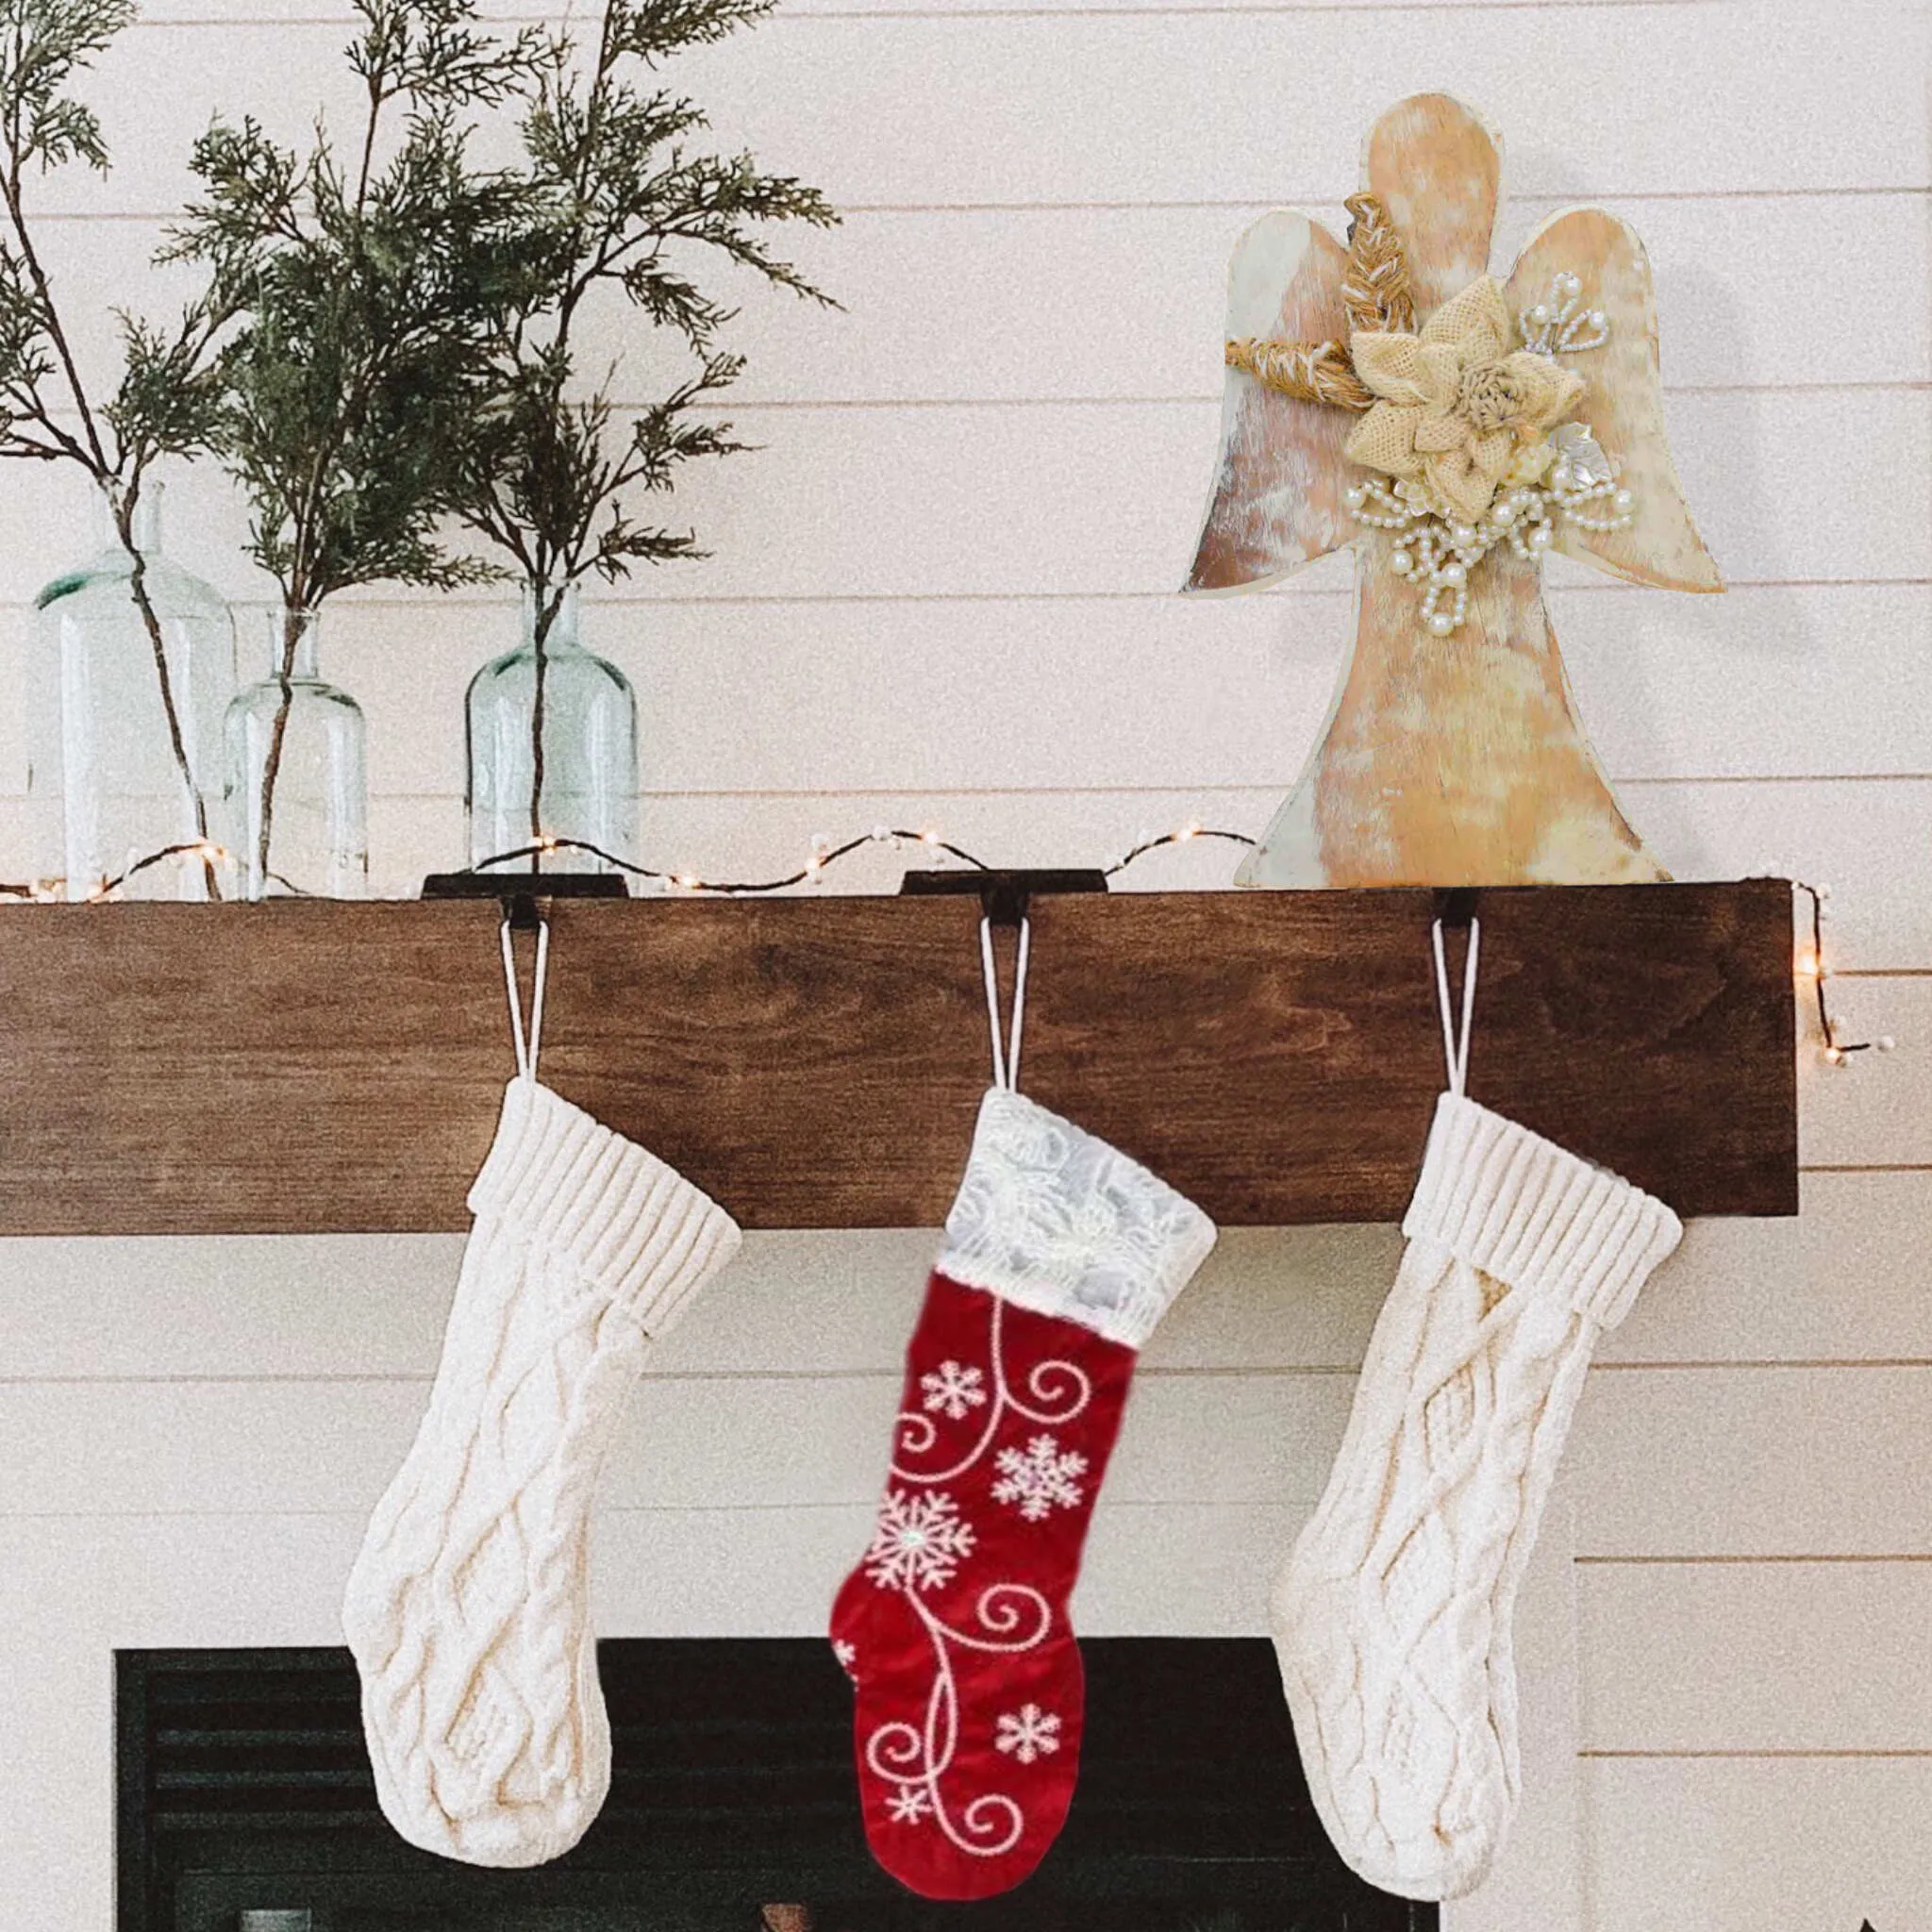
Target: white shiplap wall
(943,591)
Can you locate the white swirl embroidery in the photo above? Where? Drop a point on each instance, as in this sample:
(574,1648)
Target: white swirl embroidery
(920,1539)
(915,1759)
(1057,1392)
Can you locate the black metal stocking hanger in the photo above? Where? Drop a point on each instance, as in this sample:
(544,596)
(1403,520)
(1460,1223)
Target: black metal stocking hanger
(1004,896)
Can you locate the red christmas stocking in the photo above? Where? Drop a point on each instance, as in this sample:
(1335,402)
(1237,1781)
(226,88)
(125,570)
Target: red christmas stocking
(1061,1256)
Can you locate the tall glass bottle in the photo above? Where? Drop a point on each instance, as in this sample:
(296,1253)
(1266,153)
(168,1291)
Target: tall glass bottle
(144,654)
(551,733)
(297,766)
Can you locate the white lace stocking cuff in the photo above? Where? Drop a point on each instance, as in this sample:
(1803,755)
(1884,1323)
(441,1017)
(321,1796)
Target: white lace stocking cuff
(1524,1209)
(566,1183)
(1057,1221)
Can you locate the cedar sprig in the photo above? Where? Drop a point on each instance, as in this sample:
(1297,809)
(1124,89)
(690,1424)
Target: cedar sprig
(622,199)
(368,284)
(164,401)
(368,292)
(619,201)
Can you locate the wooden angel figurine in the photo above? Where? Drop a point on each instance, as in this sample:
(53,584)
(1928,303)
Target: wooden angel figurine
(1390,395)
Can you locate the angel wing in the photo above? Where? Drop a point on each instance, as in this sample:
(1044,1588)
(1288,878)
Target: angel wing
(1276,503)
(1623,399)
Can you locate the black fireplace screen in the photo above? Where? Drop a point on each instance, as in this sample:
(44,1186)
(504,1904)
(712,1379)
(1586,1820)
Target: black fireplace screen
(246,1805)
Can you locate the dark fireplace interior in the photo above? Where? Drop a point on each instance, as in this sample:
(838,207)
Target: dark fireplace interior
(246,1805)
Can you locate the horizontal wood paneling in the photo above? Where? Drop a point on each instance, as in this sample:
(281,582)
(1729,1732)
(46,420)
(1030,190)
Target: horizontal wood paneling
(1843,1281)
(1806,681)
(921,110)
(1161,693)
(364,1307)
(1756,1656)
(1879,1111)
(1765,1461)
(278,1579)
(1017,304)
(1783,1461)
(1735,1844)
(201,1448)
(1097,499)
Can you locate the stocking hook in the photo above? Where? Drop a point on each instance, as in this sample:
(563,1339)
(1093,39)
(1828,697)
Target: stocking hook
(1006,1057)
(527,1048)
(1454,1048)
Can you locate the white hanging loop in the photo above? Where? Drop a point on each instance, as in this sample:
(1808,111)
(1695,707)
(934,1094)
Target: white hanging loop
(1006,1056)
(526,1049)
(1454,1049)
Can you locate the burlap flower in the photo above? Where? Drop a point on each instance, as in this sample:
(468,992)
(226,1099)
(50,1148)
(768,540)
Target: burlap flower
(1454,407)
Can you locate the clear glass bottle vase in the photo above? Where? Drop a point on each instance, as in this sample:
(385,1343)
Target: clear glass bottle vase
(297,773)
(143,658)
(552,734)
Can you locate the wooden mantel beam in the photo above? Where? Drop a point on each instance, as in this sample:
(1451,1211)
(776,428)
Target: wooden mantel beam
(815,1063)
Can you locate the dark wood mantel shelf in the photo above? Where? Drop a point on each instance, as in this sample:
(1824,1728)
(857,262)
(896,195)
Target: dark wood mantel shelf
(815,1063)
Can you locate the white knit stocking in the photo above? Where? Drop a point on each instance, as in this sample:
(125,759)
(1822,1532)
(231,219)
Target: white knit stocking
(467,1609)
(1393,1615)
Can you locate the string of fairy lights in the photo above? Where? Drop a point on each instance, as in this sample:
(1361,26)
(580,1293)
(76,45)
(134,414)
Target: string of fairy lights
(1809,967)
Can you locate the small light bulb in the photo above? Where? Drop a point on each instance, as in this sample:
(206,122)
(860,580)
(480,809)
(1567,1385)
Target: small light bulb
(1805,965)
(928,836)
(685,882)
(1835,1055)
(1191,830)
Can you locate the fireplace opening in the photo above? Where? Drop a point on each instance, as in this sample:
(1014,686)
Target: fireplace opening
(245,1804)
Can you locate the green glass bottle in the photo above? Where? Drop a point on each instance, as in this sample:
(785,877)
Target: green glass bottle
(141,681)
(298,783)
(552,734)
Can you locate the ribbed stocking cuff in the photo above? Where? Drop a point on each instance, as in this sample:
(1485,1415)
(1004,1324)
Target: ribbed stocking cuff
(1526,1211)
(635,1226)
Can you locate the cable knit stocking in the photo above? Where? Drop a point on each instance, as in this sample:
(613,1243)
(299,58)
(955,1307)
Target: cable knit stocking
(1061,1256)
(467,1609)
(1392,1616)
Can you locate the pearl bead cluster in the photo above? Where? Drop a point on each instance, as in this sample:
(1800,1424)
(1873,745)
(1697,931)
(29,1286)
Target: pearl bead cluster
(1436,550)
(1559,323)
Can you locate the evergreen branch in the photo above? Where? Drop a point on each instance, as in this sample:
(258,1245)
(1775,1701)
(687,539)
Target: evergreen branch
(619,201)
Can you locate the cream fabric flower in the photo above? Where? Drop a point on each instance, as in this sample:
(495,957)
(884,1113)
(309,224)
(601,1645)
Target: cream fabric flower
(1454,406)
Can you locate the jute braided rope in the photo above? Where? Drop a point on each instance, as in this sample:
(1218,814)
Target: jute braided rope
(1376,290)
(1310,372)
(1375,295)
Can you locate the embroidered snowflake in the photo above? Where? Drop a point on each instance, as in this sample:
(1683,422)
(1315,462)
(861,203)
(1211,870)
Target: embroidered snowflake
(846,1653)
(954,1387)
(1039,1478)
(920,1539)
(1028,1732)
(909,1804)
